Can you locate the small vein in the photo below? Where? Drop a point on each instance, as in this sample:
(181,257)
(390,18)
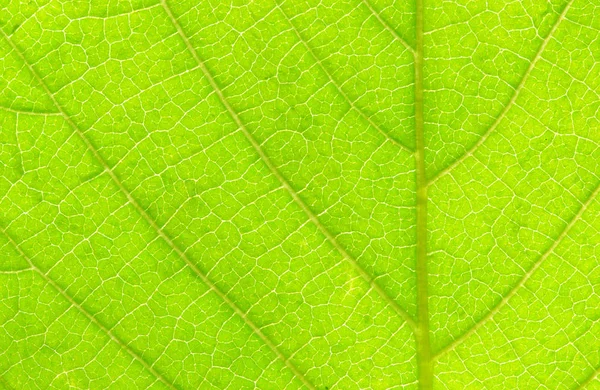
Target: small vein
(523,279)
(133,202)
(337,86)
(15,271)
(510,103)
(313,218)
(131,352)
(388,27)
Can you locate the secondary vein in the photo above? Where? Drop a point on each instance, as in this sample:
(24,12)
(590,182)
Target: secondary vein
(511,102)
(159,231)
(285,184)
(523,279)
(125,346)
(388,27)
(337,86)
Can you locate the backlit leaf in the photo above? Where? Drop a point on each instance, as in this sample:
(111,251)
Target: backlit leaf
(300,194)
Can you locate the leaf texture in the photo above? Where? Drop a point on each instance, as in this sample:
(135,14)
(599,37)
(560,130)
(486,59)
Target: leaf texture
(300,194)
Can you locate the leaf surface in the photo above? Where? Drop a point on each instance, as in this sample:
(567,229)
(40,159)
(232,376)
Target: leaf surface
(298,194)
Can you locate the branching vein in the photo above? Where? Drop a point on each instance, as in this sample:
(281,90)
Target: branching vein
(387,26)
(510,103)
(155,226)
(285,184)
(339,88)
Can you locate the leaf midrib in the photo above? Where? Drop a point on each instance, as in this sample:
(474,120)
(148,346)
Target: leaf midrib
(422,336)
(421,326)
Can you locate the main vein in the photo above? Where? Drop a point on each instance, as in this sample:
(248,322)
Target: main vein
(424,362)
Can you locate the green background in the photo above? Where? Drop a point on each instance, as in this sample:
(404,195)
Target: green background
(223,194)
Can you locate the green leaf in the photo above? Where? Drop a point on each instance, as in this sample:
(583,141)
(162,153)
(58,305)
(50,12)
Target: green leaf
(287,194)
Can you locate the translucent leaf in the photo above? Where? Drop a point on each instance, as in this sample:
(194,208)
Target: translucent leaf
(300,194)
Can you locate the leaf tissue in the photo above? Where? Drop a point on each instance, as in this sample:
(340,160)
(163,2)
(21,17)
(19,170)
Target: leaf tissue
(300,194)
